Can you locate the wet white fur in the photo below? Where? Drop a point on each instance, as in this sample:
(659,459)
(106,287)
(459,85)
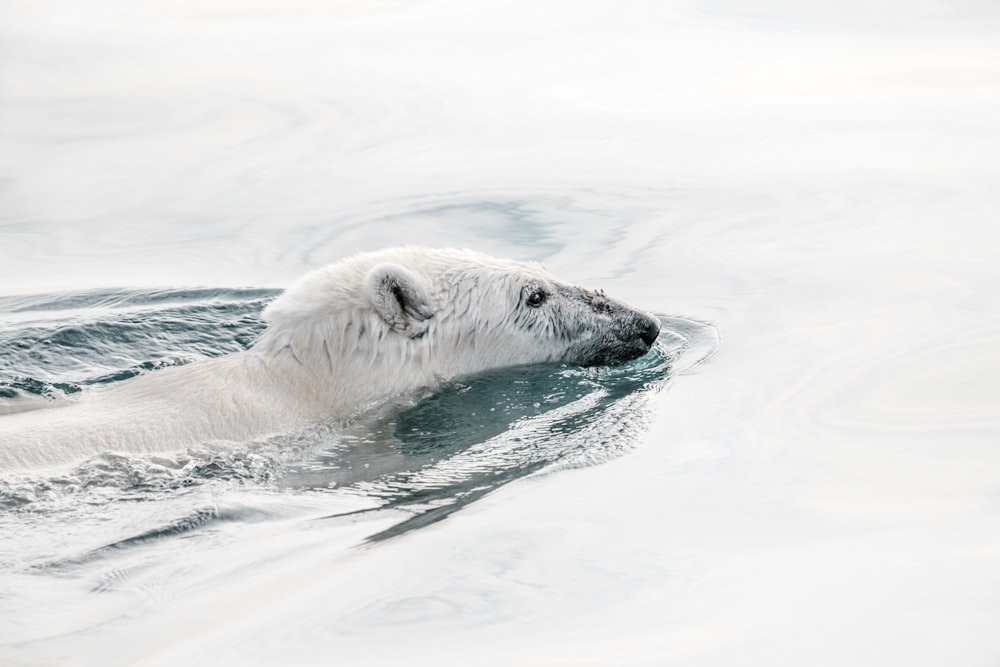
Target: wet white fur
(335,344)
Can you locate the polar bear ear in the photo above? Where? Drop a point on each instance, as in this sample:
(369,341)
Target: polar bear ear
(400,298)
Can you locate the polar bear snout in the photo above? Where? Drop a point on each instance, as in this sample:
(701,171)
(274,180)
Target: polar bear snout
(637,335)
(649,330)
(604,330)
(627,335)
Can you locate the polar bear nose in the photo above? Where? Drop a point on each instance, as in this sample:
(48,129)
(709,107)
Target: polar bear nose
(650,330)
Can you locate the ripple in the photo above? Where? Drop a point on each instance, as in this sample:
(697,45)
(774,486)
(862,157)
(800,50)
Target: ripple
(422,458)
(58,343)
(475,435)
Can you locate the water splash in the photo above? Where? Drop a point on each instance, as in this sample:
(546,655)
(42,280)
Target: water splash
(425,457)
(480,433)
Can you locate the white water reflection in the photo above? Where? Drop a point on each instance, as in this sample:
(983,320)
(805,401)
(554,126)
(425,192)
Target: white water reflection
(819,182)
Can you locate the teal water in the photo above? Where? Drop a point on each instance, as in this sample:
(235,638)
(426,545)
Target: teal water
(111,526)
(57,344)
(422,457)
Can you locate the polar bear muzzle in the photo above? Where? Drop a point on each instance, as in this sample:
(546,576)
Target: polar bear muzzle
(613,332)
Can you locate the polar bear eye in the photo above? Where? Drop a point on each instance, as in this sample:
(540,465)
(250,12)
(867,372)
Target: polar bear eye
(536,298)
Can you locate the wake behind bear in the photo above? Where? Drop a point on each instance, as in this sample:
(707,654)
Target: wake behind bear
(343,339)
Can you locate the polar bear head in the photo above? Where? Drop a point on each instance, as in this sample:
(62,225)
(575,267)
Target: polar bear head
(397,319)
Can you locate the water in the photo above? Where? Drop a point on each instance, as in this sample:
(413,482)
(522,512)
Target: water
(818,186)
(410,464)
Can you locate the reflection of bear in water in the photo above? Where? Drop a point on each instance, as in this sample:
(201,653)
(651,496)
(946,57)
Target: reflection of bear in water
(339,341)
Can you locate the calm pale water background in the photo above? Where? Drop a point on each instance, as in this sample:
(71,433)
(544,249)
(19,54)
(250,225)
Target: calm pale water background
(818,181)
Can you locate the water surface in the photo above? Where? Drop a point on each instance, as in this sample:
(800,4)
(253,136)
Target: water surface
(819,185)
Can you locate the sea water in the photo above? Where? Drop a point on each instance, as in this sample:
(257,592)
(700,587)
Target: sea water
(803,471)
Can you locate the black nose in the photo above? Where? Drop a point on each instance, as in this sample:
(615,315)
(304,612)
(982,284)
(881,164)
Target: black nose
(650,331)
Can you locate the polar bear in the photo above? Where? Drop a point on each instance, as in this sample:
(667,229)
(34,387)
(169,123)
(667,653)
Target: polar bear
(339,341)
